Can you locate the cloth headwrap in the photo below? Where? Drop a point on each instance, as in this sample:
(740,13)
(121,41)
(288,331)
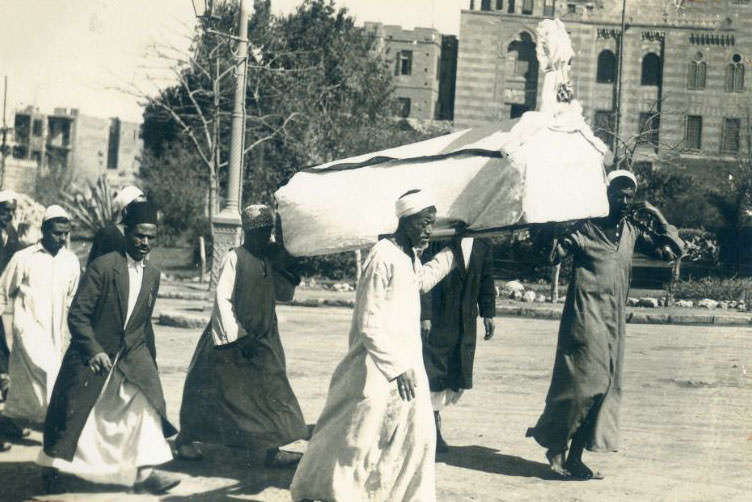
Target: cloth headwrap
(126,196)
(412,203)
(621,173)
(7,196)
(141,212)
(257,216)
(53,212)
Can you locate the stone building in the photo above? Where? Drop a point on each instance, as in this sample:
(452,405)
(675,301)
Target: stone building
(686,67)
(425,63)
(86,146)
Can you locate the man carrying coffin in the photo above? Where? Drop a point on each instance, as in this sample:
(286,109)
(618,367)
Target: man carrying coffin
(584,397)
(375,439)
(106,422)
(236,392)
(36,291)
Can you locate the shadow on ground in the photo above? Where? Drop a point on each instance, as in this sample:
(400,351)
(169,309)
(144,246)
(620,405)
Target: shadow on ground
(481,458)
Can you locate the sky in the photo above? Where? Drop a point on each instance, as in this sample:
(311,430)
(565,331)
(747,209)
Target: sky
(86,54)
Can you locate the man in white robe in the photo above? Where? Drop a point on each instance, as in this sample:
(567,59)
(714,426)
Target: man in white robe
(106,422)
(375,438)
(36,291)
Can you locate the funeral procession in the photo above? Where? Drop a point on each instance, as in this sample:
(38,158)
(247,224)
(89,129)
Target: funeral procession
(394,251)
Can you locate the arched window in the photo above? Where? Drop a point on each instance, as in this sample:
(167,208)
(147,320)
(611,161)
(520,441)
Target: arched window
(606,73)
(696,72)
(735,75)
(523,73)
(485,5)
(651,69)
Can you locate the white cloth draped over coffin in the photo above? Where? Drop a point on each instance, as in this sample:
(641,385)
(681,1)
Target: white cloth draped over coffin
(541,168)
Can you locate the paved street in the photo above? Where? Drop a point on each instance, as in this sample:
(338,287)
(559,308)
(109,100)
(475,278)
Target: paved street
(686,419)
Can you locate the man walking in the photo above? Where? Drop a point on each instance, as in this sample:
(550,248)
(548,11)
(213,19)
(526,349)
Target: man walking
(106,422)
(449,315)
(36,291)
(583,399)
(8,246)
(112,237)
(375,438)
(236,392)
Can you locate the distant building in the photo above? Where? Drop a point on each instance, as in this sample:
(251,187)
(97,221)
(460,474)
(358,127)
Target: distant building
(425,63)
(686,69)
(86,146)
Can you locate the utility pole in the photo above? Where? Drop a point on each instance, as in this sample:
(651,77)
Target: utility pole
(227,224)
(617,105)
(4,146)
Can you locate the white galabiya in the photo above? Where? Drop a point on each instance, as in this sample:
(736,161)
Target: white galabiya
(369,444)
(36,290)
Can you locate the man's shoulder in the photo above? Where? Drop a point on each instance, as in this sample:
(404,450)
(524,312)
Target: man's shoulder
(107,261)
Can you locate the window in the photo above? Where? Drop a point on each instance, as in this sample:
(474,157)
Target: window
(735,75)
(485,4)
(651,69)
(36,127)
(66,133)
(499,4)
(571,8)
(36,156)
(113,144)
(604,126)
(527,6)
(730,136)
(606,73)
(696,73)
(510,6)
(693,134)
(649,127)
(404,63)
(549,7)
(517,111)
(404,107)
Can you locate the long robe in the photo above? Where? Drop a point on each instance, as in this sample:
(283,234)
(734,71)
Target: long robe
(453,307)
(7,250)
(586,383)
(369,444)
(37,289)
(237,392)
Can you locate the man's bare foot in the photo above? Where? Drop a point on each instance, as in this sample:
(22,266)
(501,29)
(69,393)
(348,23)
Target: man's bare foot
(579,470)
(556,462)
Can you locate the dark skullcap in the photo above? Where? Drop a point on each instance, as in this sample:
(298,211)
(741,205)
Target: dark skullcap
(141,212)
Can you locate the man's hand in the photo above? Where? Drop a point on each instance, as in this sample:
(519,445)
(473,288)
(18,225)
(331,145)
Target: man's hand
(406,385)
(100,364)
(488,323)
(4,382)
(652,210)
(425,329)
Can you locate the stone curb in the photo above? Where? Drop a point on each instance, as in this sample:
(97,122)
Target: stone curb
(186,320)
(180,295)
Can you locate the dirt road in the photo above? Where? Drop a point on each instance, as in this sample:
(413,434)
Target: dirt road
(686,419)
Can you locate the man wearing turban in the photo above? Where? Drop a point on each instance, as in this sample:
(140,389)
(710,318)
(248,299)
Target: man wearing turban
(112,237)
(582,405)
(236,392)
(375,439)
(107,421)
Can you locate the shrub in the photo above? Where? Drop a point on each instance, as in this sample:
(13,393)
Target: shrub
(700,245)
(338,266)
(717,289)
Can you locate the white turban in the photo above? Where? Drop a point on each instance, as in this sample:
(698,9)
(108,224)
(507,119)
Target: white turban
(7,196)
(412,203)
(621,173)
(126,196)
(54,211)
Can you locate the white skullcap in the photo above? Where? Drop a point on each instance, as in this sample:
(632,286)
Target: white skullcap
(621,173)
(412,203)
(125,196)
(7,196)
(54,211)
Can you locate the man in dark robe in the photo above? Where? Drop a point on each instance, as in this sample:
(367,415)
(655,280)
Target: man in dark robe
(9,244)
(112,237)
(449,315)
(583,399)
(236,392)
(106,421)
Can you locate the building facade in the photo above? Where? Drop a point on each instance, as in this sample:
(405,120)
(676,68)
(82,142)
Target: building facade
(685,86)
(86,146)
(425,65)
